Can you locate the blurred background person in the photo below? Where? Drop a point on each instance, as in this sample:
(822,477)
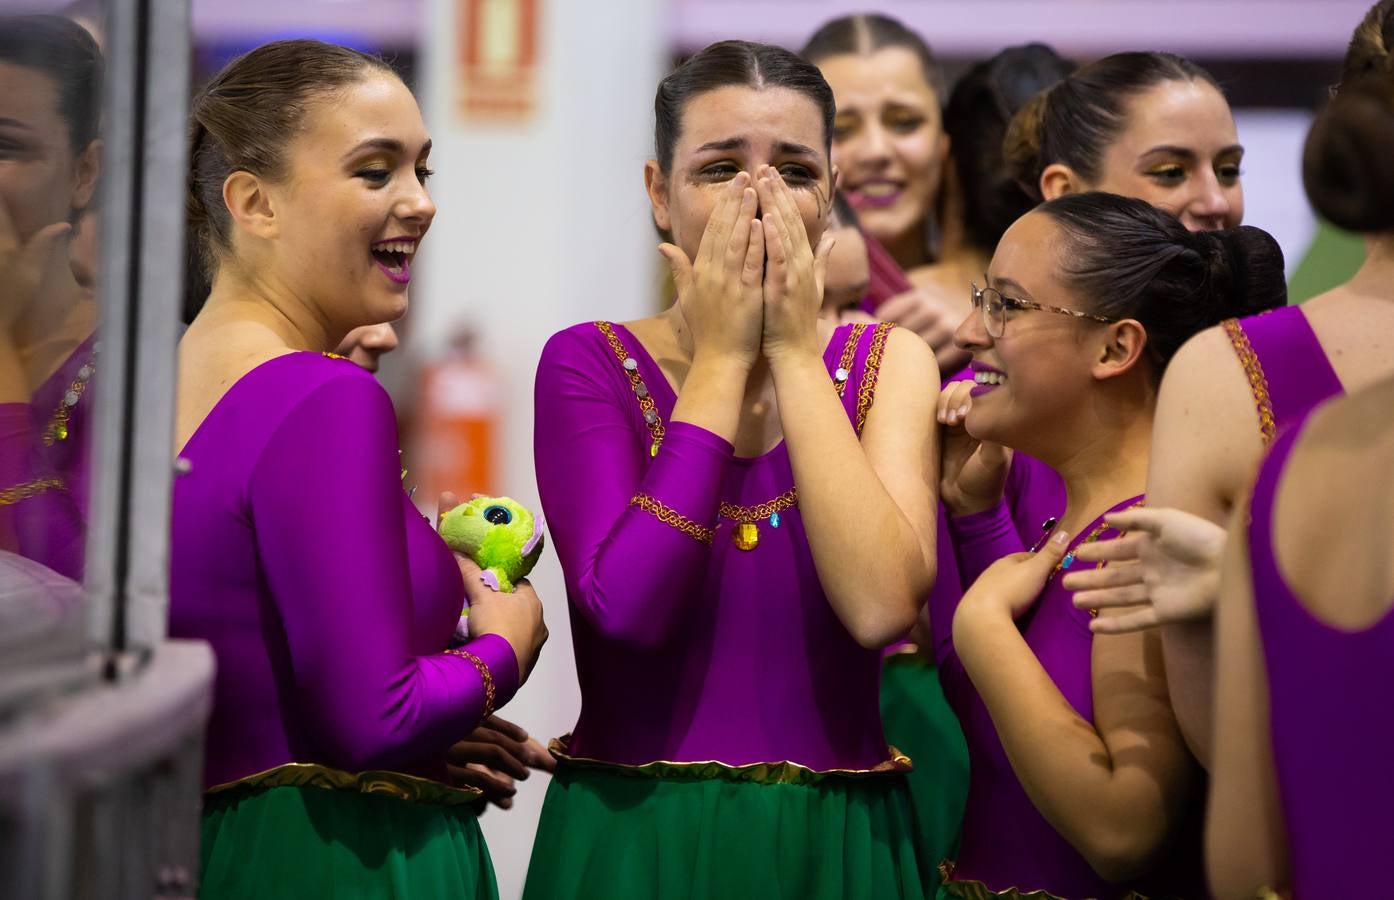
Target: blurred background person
(890,146)
(368,344)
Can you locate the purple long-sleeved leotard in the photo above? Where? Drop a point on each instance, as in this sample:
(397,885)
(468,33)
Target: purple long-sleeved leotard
(328,598)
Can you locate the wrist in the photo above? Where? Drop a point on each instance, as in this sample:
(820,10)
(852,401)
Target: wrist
(722,364)
(795,361)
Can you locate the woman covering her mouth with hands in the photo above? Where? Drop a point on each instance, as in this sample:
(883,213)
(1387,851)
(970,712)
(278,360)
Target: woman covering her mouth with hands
(756,520)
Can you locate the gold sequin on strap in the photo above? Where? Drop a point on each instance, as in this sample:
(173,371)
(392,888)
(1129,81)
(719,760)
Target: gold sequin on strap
(410,788)
(630,365)
(867,392)
(484,673)
(57,429)
(25,490)
(781,772)
(976,890)
(849,354)
(669,516)
(1258,382)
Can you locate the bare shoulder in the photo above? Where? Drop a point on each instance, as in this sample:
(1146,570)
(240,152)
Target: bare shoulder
(1207,358)
(1207,436)
(649,328)
(1334,509)
(1348,442)
(211,361)
(910,361)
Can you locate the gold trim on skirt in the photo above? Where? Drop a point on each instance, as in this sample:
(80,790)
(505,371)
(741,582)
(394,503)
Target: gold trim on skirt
(964,889)
(411,788)
(782,772)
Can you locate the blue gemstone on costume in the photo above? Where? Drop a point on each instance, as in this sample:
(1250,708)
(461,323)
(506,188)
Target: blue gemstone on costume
(774,520)
(1067,561)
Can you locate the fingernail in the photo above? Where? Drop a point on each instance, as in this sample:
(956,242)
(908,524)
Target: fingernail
(1061,537)
(963,410)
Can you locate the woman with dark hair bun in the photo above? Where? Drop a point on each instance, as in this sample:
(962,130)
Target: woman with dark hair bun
(1149,125)
(1237,386)
(755,523)
(50,106)
(981,197)
(331,765)
(1080,783)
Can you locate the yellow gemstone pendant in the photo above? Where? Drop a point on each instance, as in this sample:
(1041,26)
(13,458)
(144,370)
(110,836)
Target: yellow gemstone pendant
(746,535)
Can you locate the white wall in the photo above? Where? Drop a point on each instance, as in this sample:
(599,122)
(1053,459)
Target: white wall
(541,226)
(1080,28)
(1274,199)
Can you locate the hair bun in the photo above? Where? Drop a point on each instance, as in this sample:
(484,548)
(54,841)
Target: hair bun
(1021,147)
(1346,165)
(1246,271)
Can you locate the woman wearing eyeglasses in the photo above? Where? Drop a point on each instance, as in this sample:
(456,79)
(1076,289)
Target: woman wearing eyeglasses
(1079,775)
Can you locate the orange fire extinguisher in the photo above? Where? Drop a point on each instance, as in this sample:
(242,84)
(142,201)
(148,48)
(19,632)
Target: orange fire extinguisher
(460,404)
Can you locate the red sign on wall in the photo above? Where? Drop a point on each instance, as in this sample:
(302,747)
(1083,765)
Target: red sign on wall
(498,59)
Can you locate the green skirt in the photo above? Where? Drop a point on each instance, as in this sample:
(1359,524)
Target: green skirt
(918,720)
(306,840)
(749,833)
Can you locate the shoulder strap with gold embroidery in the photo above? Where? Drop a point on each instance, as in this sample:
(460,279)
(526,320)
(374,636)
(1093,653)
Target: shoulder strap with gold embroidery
(849,355)
(630,365)
(866,391)
(1258,382)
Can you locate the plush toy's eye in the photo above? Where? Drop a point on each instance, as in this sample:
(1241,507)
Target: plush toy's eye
(498,515)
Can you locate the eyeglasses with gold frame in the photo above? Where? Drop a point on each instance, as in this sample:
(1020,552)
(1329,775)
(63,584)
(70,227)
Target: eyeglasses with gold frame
(994,305)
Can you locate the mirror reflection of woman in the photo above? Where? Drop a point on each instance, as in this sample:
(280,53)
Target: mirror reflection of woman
(50,78)
(753,523)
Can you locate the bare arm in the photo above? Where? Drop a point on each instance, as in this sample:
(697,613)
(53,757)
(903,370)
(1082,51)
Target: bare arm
(868,505)
(1206,446)
(1244,841)
(1116,789)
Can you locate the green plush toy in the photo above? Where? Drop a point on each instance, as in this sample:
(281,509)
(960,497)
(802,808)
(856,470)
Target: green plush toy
(500,534)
